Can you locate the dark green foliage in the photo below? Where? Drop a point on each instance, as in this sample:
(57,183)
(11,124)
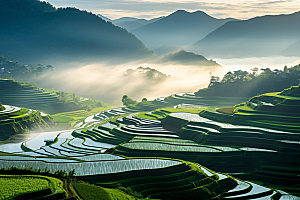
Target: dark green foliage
(174,122)
(35,31)
(245,84)
(144,99)
(293,91)
(15,70)
(88,191)
(32,195)
(127,101)
(9,84)
(29,171)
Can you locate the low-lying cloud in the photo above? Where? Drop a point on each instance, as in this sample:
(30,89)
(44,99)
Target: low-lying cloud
(110,83)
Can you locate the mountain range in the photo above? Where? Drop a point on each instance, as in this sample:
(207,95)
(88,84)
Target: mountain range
(130,23)
(36,32)
(260,36)
(178,29)
(33,31)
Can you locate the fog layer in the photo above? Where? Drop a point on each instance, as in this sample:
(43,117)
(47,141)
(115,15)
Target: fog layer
(110,83)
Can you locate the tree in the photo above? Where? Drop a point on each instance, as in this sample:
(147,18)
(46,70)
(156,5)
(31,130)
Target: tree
(285,69)
(127,101)
(144,99)
(228,77)
(49,67)
(255,71)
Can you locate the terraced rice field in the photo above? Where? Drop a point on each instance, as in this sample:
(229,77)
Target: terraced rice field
(165,158)
(28,186)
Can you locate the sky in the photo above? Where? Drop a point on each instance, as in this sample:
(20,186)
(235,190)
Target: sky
(148,9)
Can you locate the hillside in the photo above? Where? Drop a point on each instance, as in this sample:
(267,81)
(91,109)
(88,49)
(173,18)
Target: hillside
(244,84)
(188,58)
(260,36)
(179,29)
(292,50)
(168,153)
(35,32)
(16,120)
(130,23)
(49,101)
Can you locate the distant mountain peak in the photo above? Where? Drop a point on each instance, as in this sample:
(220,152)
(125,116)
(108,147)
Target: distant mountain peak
(184,12)
(179,29)
(104,18)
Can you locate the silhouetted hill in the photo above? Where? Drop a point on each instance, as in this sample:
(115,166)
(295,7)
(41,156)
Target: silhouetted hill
(34,31)
(179,29)
(130,23)
(259,36)
(188,58)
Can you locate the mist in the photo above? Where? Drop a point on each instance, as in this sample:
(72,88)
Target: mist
(110,83)
(246,64)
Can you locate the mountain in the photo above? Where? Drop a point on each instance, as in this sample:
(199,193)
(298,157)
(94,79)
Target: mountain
(104,18)
(292,50)
(34,31)
(179,29)
(259,36)
(131,23)
(188,58)
(124,20)
(163,50)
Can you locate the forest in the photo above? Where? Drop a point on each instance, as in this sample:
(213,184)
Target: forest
(246,84)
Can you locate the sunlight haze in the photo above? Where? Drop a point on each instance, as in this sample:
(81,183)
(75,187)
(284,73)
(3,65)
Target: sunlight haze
(148,9)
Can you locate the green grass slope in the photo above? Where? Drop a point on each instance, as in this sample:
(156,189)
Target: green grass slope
(30,187)
(49,101)
(257,140)
(15,120)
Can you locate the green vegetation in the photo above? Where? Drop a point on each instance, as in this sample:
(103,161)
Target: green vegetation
(264,130)
(90,191)
(161,113)
(1,107)
(69,119)
(49,101)
(15,185)
(293,91)
(14,70)
(159,154)
(21,120)
(243,83)
(67,39)
(29,187)
(127,101)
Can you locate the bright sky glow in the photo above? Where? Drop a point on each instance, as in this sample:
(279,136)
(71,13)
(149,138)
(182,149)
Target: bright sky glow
(240,9)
